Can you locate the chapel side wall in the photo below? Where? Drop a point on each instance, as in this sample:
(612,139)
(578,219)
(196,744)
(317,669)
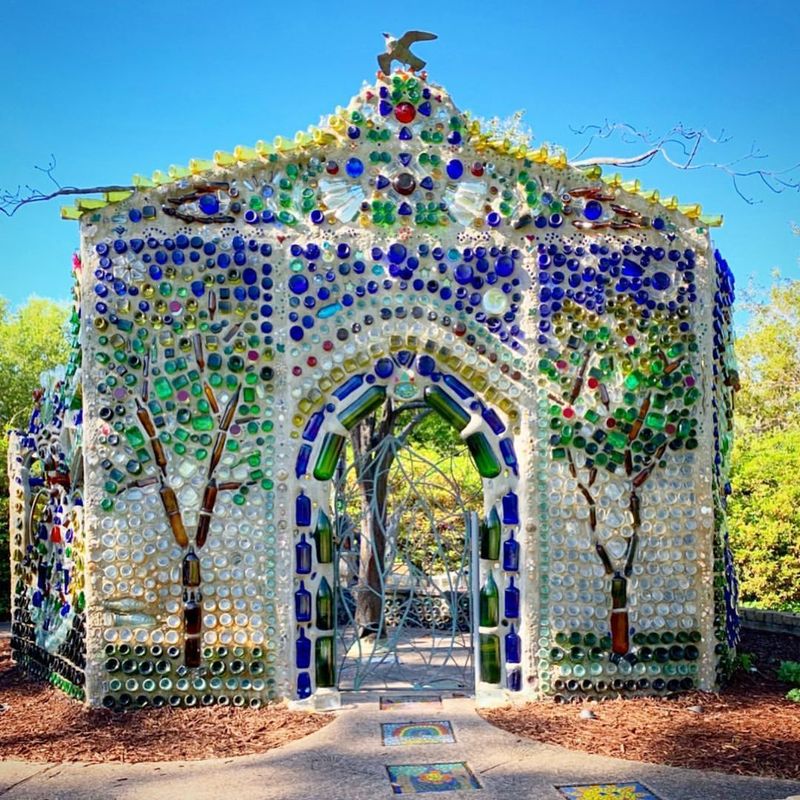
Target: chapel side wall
(47,634)
(722,359)
(96,678)
(707,561)
(18,509)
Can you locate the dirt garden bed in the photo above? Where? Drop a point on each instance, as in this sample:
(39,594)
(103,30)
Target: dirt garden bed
(39,723)
(748,729)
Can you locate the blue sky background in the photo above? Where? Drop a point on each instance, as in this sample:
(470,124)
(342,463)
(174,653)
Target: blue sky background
(115,88)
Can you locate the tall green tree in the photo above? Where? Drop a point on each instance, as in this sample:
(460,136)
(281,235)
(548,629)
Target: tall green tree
(769,364)
(764,508)
(764,517)
(32,340)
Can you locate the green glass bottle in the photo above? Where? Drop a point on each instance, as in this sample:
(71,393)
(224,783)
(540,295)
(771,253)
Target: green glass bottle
(490,536)
(372,399)
(490,603)
(328,456)
(482,454)
(490,658)
(323,661)
(324,606)
(450,411)
(323,538)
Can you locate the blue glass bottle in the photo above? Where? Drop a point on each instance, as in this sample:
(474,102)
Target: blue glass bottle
(302,460)
(302,555)
(303,685)
(312,426)
(513,647)
(511,554)
(515,680)
(493,421)
(302,652)
(510,509)
(348,387)
(509,456)
(302,510)
(511,601)
(459,388)
(302,604)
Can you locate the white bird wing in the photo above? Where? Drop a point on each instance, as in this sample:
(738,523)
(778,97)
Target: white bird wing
(408,38)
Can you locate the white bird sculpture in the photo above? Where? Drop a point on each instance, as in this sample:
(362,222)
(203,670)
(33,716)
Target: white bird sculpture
(399,50)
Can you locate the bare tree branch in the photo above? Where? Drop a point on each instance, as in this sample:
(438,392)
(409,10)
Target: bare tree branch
(11,200)
(680,147)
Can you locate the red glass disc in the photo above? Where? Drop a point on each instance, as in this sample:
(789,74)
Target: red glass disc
(405,112)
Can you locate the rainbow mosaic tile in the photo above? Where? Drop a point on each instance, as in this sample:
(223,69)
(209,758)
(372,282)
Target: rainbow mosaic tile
(440,777)
(608,791)
(411,733)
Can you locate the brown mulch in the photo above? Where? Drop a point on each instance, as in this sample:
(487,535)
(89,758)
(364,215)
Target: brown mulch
(748,729)
(41,723)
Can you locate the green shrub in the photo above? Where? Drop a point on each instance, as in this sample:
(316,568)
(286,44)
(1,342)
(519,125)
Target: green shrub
(789,672)
(786,608)
(745,661)
(764,518)
(793,695)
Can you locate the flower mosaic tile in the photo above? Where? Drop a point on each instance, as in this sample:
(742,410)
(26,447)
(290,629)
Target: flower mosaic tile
(608,791)
(440,777)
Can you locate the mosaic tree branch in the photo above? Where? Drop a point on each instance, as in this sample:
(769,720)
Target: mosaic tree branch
(191,566)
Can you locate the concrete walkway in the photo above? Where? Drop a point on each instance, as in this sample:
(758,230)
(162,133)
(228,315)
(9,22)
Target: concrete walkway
(347,760)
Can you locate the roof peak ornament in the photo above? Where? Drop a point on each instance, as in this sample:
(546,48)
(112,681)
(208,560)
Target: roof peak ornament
(400,50)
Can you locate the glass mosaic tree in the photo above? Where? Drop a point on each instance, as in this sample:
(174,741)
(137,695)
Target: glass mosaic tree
(623,396)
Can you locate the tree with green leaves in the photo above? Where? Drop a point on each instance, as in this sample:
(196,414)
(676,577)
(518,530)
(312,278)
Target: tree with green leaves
(764,520)
(32,340)
(764,517)
(769,363)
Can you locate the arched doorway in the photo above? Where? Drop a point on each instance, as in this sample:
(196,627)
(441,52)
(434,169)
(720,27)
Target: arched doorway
(406,644)
(403,499)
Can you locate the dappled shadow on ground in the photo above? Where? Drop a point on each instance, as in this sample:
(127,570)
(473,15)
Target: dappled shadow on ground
(42,724)
(748,729)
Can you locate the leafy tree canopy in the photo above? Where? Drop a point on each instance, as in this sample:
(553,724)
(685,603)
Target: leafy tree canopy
(769,364)
(764,517)
(32,340)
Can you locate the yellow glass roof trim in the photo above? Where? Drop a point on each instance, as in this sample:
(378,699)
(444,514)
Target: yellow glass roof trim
(314,136)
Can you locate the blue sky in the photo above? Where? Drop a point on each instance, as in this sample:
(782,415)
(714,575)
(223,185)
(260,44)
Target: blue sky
(115,88)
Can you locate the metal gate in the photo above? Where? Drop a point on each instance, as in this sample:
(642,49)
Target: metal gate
(418,589)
